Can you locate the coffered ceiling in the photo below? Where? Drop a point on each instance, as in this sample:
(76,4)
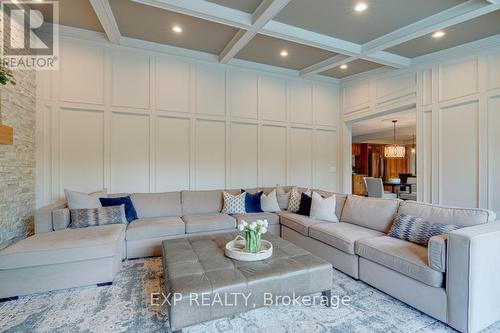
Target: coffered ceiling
(309,36)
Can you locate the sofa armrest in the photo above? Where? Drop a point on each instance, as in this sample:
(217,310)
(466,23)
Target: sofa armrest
(43,217)
(473,288)
(437,251)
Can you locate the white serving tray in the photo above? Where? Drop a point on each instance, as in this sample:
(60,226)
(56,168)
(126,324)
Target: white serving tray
(235,249)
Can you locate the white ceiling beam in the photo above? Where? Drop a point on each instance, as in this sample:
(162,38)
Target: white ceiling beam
(387,59)
(204,10)
(306,37)
(326,65)
(107,19)
(455,15)
(265,12)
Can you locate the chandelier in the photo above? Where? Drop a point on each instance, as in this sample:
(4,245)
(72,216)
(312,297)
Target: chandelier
(394,151)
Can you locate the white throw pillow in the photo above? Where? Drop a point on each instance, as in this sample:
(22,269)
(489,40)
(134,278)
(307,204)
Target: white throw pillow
(282,196)
(79,200)
(323,208)
(294,202)
(269,203)
(234,204)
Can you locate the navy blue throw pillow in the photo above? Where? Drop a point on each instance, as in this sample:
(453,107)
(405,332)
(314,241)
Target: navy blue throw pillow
(252,202)
(130,212)
(305,204)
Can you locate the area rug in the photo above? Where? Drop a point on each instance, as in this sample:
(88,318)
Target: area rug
(126,307)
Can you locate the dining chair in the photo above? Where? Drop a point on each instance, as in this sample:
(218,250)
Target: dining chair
(407,195)
(375,188)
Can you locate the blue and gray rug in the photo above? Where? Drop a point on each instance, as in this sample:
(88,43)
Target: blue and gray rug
(125,307)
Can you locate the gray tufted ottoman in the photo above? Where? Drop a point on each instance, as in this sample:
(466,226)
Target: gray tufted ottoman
(202,284)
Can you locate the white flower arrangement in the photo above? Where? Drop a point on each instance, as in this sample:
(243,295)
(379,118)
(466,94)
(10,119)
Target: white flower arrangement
(260,226)
(253,232)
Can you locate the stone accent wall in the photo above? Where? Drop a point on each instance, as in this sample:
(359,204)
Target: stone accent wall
(17,161)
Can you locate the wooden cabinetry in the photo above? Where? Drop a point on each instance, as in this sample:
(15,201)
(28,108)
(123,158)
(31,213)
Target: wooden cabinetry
(358,185)
(356,149)
(361,157)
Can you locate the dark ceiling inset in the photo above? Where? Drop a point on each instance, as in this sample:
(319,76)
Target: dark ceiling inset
(337,18)
(266,50)
(155,25)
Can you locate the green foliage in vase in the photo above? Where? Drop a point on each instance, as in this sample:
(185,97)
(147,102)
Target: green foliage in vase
(6,75)
(253,234)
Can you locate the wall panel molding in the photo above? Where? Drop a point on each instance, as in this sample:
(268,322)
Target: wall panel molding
(457,102)
(162,123)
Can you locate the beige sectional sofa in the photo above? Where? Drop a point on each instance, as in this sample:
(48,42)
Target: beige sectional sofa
(455,279)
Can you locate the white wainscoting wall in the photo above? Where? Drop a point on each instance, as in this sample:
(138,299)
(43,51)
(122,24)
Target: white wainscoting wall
(132,120)
(458,122)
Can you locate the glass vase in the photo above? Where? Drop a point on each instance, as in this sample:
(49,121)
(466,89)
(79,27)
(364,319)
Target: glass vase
(253,241)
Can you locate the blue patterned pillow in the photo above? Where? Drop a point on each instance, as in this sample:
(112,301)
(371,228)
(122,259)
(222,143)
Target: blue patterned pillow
(90,217)
(130,212)
(417,230)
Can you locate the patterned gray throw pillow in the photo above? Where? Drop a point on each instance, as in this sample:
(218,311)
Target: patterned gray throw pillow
(417,230)
(82,218)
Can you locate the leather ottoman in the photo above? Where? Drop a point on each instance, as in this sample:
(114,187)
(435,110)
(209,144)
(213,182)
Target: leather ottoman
(202,284)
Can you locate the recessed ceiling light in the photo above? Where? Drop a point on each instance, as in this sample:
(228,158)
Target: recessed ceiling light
(360,7)
(438,34)
(284,53)
(176,28)
(344,66)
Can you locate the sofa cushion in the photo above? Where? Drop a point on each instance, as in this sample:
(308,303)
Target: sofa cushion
(373,213)
(79,200)
(323,208)
(252,201)
(157,204)
(64,246)
(269,202)
(201,202)
(340,199)
(233,204)
(130,211)
(298,222)
(283,196)
(305,204)
(208,222)
(154,227)
(341,235)
(404,257)
(294,200)
(271,218)
(463,217)
(417,230)
(92,217)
